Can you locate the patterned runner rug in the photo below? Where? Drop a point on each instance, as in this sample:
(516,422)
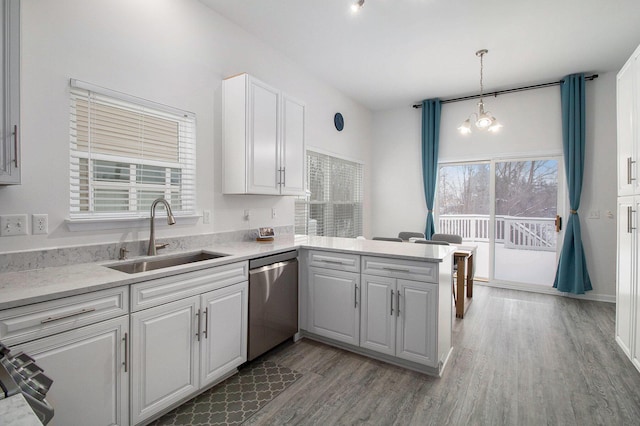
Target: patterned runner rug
(234,400)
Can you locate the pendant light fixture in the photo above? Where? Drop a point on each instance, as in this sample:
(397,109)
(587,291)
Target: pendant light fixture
(483,119)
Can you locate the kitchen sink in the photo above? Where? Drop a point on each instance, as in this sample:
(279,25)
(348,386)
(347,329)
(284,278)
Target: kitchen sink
(144,265)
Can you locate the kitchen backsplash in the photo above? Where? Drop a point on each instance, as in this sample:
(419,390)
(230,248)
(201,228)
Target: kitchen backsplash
(37,259)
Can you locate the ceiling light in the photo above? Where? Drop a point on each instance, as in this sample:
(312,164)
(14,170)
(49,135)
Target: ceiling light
(483,119)
(357,5)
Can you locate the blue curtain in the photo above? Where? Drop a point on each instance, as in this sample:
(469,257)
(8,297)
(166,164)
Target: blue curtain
(430,141)
(572,275)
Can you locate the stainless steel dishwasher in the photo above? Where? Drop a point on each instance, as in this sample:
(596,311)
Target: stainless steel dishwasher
(273,301)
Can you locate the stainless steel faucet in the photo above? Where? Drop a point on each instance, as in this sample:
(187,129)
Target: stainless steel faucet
(152,235)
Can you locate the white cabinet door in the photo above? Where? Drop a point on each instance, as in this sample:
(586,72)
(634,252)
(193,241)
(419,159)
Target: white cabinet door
(223,342)
(417,322)
(634,290)
(627,151)
(10,84)
(164,356)
(333,305)
(90,384)
(626,281)
(263,143)
(378,312)
(292,154)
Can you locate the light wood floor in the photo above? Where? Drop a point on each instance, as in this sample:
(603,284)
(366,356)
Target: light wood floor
(519,359)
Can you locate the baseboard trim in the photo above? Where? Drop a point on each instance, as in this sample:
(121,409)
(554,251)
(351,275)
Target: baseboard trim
(532,288)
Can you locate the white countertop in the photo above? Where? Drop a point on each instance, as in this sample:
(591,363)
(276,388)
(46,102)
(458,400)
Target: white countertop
(16,411)
(38,285)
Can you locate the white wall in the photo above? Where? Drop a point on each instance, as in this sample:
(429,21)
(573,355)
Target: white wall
(532,126)
(167,51)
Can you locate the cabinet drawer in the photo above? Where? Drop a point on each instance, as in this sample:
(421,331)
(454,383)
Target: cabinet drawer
(163,290)
(18,325)
(398,268)
(332,260)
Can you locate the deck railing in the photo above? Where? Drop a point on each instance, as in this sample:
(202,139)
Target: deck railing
(524,233)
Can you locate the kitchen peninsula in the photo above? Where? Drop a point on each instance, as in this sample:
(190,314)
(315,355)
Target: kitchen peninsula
(384,300)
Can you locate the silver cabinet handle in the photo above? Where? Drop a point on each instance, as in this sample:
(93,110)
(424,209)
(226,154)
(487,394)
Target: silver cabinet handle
(355,295)
(15,143)
(198,319)
(206,322)
(630,213)
(284,176)
(629,168)
(72,314)
(126,352)
(386,268)
(337,262)
(398,303)
(391,302)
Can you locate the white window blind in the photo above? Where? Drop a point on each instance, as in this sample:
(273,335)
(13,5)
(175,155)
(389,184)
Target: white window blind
(333,206)
(125,152)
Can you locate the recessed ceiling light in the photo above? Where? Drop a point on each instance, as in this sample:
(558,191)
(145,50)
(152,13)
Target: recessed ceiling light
(357,5)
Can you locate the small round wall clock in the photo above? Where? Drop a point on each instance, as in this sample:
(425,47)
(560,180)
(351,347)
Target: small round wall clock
(338,121)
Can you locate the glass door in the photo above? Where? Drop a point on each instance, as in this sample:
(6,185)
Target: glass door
(526,205)
(508,209)
(464,206)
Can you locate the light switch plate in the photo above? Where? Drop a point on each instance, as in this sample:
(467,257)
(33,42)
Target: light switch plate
(13,224)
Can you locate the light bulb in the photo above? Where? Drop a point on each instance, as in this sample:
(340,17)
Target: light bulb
(495,126)
(483,121)
(465,127)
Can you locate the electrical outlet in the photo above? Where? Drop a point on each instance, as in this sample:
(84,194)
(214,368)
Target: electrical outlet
(247,214)
(206,216)
(273,213)
(594,214)
(13,224)
(40,224)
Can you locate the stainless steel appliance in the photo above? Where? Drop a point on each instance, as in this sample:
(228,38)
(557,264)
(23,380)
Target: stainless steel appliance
(20,374)
(273,301)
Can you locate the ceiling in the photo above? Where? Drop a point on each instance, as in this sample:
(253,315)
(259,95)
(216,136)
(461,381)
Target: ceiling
(396,52)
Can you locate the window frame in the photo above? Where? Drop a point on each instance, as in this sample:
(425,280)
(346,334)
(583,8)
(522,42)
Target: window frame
(185,162)
(305,204)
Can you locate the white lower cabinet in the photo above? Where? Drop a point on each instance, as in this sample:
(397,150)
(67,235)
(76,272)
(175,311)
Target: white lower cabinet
(181,347)
(397,318)
(224,346)
(628,282)
(333,310)
(164,356)
(184,346)
(399,310)
(417,322)
(88,366)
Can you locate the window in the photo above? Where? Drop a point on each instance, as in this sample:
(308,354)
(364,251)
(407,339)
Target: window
(126,152)
(333,206)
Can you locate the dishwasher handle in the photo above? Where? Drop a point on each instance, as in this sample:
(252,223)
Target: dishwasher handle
(269,267)
(275,258)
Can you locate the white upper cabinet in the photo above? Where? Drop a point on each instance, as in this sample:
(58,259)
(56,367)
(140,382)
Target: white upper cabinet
(628,112)
(10,105)
(263,139)
(292,148)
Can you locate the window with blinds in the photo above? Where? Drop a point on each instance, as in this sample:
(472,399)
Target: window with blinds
(333,206)
(126,152)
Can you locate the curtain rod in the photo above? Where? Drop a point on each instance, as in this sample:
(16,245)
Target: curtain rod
(502,92)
